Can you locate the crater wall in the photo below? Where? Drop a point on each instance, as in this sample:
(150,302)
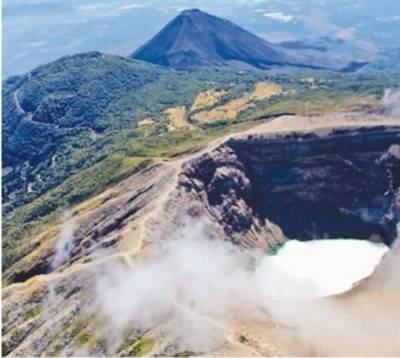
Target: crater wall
(326,184)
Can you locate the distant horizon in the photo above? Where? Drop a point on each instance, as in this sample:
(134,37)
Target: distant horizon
(36,32)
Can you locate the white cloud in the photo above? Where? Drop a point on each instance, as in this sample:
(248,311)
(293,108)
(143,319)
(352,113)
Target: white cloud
(252,2)
(280,36)
(182,8)
(20,55)
(37,44)
(259,1)
(99,10)
(280,16)
(388,19)
(92,7)
(130,7)
(319,22)
(391,102)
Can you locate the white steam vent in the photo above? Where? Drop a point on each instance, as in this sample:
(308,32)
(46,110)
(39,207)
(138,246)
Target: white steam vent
(65,242)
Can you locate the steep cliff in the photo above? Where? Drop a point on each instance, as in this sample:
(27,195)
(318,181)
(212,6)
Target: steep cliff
(339,184)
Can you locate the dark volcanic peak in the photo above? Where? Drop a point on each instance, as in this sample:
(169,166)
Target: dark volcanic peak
(196,38)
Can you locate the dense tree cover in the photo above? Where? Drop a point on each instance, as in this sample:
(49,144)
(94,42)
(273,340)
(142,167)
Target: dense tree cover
(58,106)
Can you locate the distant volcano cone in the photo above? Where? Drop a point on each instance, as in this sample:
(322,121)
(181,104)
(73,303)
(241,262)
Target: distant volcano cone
(196,38)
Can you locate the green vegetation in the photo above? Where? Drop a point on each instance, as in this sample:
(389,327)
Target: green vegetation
(274,250)
(32,313)
(83,338)
(81,109)
(142,347)
(72,191)
(73,329)
(76,326)
(184,354)
(5,349)
(82,333)
(82,185)
(128,342)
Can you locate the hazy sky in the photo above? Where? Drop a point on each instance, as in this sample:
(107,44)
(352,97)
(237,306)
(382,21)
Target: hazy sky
(39,31)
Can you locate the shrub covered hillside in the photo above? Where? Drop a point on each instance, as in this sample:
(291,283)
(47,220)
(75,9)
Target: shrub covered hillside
(59,109)
(59,118)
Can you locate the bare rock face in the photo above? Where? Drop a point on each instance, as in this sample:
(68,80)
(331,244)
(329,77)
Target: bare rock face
(320,185)
(219,182)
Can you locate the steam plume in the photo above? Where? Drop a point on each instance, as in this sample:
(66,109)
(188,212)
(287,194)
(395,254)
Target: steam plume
(63,248)
(65,243)
(198,284)
(391,102)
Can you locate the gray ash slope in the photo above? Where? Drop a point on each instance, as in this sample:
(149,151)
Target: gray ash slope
(195,38)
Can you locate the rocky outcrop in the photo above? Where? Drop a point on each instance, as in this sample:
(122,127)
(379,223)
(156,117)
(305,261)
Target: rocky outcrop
(343,183)
(217,181)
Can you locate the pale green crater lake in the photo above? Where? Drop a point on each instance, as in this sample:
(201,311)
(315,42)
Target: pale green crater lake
(311,269)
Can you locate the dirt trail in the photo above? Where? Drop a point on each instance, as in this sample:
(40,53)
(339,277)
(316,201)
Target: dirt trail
(19,107)
(17,104)
(306,124)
